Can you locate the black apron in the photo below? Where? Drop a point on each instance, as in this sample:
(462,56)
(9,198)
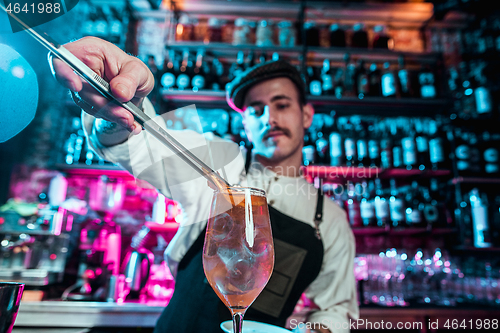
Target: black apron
(195,307)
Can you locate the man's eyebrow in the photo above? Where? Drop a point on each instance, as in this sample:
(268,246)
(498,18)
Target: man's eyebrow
(278,97)
(274,99)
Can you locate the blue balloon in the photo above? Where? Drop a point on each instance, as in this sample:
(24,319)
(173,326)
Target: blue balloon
(18,93)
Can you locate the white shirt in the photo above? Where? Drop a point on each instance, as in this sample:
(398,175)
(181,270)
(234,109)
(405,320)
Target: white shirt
(333,291)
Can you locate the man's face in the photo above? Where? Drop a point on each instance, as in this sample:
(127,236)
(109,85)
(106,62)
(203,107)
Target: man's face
(275,120)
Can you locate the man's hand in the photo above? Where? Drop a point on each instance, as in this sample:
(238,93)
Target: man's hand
(129,79)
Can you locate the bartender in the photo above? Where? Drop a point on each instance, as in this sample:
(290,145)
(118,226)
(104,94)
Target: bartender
(314,244)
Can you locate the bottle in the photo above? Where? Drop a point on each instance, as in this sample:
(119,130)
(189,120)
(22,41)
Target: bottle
(381,204)
(381,39)
(337,36)
(251,59)
(238,67)
(116,22)
(322,149)
(404,81)
(396,205)
(359,36)
(312,33)
(373,147)
(198,80)
(422,144)
(468,103)
(435,211)
(409,151)
(215,77)
(482,96)
(308,150)
(436,147)
(495,221)
(184,79)
(353,206)
(327,79)
(349,77)
(350,146)
(336,150)
(386,160)
(338,83)
(361,146)
(388,81)
(362,80)
(169,72)
(414,207)
(367,205)
(397,149)
(427,85)
(315,85)
(374,79)
(489,153)
(480,227)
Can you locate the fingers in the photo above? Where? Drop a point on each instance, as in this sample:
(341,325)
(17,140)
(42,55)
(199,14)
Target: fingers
(129,78)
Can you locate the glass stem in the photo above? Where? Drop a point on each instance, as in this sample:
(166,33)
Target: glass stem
(237,322)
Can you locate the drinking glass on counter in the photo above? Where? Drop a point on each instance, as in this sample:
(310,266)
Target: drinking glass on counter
(238,254)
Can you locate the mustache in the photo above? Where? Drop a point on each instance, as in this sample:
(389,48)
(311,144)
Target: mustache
(275,130)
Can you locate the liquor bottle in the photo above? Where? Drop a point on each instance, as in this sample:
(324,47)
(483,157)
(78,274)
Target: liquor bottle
(101,25)
(338,83)
(359,36)
(250,62)
(480,227)
(397,149)
(409,150)
(436,147)
(422,144)
(495,220)
(468,103)
(373,147)
(462,152)
(198,80)
(215,76)
(414,207)
(436,211)
(388,81)
(482,96)
(349,76)
(353,206)
(350,145)
(336,146)
(337,36)
(427,84)
(386,160)
(404,80)
(169,72)
(322,149)
(238,67)
(489,154)
(116,23)
(367,205)
(431,212)
(381,39)
(396,205)
(374,81)
(327,78)
(184,78)
(475,154)
(314,81)
(361,146)
(362,80)
(308,150)
(381,204)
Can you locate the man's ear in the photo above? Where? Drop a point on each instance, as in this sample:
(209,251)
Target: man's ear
(307,115)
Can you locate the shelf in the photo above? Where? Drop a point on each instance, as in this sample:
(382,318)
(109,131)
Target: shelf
(94,170)
(345,105)
(374,231)
(475,250)
(335,174)
(475,180)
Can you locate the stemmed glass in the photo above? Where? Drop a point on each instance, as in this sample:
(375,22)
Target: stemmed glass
(238,254)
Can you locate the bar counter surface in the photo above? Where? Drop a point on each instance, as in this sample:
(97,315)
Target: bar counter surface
(101,314)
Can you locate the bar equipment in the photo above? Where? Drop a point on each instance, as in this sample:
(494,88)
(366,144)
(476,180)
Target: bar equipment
(100,243)
(10,299)
(34,248)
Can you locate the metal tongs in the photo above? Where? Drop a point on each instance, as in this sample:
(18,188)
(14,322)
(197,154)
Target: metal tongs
(103,87)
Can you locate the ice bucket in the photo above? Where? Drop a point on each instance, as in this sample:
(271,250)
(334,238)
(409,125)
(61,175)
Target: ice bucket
(10,298)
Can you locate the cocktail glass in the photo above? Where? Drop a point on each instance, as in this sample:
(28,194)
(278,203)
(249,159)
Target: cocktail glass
(238,254)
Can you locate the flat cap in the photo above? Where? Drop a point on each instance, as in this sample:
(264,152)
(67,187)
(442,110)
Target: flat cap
(236,89)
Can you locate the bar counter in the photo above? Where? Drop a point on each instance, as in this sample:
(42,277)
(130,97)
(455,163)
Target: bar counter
(101,314)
